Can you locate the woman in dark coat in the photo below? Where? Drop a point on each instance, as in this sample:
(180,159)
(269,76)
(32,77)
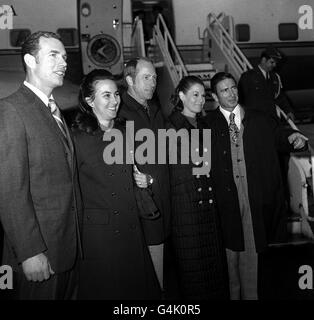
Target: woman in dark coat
(196,233)
(116,263)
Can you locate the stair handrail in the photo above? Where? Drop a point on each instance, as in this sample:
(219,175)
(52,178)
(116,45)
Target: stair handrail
(138,34)
(163,39)
(227,45)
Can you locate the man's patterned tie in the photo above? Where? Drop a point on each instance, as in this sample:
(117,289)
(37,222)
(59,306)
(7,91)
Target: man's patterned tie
(233,129)
(57,116)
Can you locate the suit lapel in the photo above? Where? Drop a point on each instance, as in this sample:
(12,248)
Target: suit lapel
(49,120)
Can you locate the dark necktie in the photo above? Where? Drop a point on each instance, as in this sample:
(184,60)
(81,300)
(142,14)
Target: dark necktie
(57,116)
(146,109)
(268,78)
(233,129)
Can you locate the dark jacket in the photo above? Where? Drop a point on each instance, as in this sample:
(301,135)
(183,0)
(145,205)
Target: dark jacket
(196,231)
(39,192)
(156,231)
(116,263)
(263,177)
(255,92)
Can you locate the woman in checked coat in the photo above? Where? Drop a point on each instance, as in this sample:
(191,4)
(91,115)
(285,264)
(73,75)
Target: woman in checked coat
(196,234)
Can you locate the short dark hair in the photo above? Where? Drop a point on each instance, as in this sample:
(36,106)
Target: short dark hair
(31,43)
(218,77)
(271,53)
(131,65)
(184,85)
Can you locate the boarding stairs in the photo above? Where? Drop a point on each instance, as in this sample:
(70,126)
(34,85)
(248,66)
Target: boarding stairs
(227,56)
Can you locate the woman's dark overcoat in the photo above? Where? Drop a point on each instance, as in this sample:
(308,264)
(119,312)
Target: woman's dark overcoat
(116,263)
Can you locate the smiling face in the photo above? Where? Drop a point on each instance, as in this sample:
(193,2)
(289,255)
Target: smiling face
(106,100)
(143,86)
(227,94)
(47,69)
(193,100)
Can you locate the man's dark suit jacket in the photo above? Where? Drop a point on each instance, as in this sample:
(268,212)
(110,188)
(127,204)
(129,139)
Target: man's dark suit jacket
(39,198)
(257,93)
(265,186)
(156,231)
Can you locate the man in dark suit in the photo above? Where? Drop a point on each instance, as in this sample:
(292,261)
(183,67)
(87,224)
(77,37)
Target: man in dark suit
(247,182)
(39,198)
(138,106)
(261,88)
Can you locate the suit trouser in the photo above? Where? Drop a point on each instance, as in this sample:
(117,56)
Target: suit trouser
(62,286)
(242,266)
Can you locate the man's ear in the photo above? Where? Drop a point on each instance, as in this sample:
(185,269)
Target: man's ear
(129,80)
(30,60)
(214,95)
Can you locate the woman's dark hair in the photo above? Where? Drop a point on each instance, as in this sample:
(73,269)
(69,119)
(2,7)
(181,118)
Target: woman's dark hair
(85,120)
(184,85)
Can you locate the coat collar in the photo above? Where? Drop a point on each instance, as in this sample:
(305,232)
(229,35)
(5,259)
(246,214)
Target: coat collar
(133,104)
(178,120)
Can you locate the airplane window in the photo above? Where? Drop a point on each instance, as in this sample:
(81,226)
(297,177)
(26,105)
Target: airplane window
(288,31)
(17,36)
(242,32)
(69,36)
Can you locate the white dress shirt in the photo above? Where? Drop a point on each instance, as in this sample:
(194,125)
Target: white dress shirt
(238,112)
(38,93)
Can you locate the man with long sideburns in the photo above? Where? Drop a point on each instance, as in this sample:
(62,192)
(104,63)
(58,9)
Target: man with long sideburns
(247,182)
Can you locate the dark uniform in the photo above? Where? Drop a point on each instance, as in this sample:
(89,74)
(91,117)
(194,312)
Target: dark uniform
(256,92)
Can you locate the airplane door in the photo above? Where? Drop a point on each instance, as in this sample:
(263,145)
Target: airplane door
(100,26)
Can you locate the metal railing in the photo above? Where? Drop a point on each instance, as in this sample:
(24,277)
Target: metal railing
(225,41)
(137,38)
(163,39)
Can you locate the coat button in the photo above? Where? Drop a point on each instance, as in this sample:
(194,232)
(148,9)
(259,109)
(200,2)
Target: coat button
(115,212)
(224,152)
(226,170)
(210,200)
(205,149)
(113,194)
(210,188)
(199,189)
(200,202)
(228,189)
(197,176)
(207,175)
